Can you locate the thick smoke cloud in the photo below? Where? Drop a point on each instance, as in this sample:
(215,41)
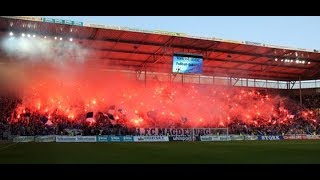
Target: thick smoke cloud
(52,76)
(38,50)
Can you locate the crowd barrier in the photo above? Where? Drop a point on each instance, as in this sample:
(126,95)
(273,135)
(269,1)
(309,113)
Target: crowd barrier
(300,137)
(76,139)
(114,138)
(270,138)
(182,138)
(234,137)
(150,138)
(251,137)
(50,138)
(231,137)
(215,138)
(110,138)
(23,139)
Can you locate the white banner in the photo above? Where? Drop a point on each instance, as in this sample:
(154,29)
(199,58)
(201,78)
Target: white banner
(150,138)
(51,138)
(296,136)
(250,137)
(66,139)
(23,139)
(313,136)
(86,138)
(237,137)
(76,139)
(215,138)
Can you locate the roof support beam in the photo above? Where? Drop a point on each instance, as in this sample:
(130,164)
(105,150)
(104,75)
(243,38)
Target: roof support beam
(200,49)
(130,67)
(155,55)
(237,79)
(207,67)
(293,83)
(163,48)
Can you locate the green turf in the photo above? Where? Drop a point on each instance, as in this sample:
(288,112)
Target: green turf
(170,152)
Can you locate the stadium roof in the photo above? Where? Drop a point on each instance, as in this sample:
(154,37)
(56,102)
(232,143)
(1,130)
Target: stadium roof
(134,49)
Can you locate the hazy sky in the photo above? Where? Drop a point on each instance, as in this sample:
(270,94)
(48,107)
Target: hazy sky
(293,31)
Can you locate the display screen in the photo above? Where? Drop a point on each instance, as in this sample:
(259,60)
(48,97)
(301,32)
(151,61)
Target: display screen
(187,63)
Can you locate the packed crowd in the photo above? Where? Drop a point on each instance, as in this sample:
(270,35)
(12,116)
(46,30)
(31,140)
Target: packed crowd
(309,101)
(29,122)
(32,123)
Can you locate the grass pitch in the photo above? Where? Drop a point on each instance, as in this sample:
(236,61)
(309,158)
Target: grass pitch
(232,152)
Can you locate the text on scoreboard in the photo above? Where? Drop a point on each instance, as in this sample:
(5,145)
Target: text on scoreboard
(187,63)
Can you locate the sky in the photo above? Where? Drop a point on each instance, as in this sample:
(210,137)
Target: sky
(292,31)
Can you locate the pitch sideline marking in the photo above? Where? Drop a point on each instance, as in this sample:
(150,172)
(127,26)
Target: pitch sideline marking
(8,146)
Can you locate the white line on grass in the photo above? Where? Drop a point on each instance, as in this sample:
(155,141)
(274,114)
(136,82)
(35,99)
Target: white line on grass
(5,147)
